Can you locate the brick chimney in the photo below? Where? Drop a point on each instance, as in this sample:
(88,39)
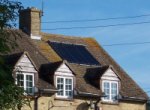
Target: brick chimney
(30,22)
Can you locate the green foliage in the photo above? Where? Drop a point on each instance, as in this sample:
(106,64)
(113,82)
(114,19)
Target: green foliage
(5,73)
(8,40)
(4,47)
(9,13)
(11,96)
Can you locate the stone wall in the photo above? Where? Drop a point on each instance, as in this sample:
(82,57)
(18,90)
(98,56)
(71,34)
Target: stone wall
(35,22)
(124,106)
(49,103)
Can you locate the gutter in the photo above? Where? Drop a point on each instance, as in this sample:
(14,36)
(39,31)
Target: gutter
(48,90)
(87,94)
(133,99)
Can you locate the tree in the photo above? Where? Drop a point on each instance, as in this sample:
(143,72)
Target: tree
(8,16)
(9,13)
(11,96)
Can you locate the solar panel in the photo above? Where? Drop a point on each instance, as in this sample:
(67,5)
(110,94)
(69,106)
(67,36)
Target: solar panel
(74,53)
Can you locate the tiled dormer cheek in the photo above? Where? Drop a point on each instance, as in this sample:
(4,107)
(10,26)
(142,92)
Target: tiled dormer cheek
(110,86)
(25,74)
(64,80)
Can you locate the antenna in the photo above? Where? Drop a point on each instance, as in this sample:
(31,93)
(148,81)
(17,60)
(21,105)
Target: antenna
(42,8)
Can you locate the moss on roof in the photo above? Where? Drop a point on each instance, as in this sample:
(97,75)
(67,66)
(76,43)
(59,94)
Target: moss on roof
(42,53)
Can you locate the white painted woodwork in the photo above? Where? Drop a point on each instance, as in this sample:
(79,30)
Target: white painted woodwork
(64,88)
(110,90)
(25,65)
(63,70)
(35,37)
(24,80)
(110,75)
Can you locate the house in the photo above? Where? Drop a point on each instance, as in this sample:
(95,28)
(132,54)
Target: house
(69,73)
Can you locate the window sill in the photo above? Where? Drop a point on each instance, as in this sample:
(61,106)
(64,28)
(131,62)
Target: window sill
(110,102)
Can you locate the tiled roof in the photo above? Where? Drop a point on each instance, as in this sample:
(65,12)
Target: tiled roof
(41,53)
(24,44)
(12,58)
(128,86)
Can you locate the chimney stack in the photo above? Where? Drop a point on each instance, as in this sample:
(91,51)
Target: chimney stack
(30,22)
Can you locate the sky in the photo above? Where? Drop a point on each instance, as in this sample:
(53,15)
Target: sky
(134,59)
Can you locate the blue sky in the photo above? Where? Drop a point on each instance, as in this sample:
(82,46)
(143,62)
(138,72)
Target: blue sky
(134,58)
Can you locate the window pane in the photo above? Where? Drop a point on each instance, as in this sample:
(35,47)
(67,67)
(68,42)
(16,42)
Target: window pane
(29,90)
(60,93)
(70,93)
(20,80)
(114,91)
(29,84)
(114,85)
(60,80)
(60,86)
(64,86)
(68,81)
(29,77)
(106,85)
(67,93)
(68,87)
(107,90)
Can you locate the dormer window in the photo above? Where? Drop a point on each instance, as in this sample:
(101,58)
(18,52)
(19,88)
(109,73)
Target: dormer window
(65,87)
(110,85)
(64,81)
(26,81)
(25,72)
(110,88)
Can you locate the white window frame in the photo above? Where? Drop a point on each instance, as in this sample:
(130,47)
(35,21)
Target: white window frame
(64,90)
(25,86)
(110,83)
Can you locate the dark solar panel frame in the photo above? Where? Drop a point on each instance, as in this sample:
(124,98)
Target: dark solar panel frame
(74,53)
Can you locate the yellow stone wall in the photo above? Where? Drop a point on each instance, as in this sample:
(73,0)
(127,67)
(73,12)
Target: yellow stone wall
(124,106)
(49,103)
(35,22)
